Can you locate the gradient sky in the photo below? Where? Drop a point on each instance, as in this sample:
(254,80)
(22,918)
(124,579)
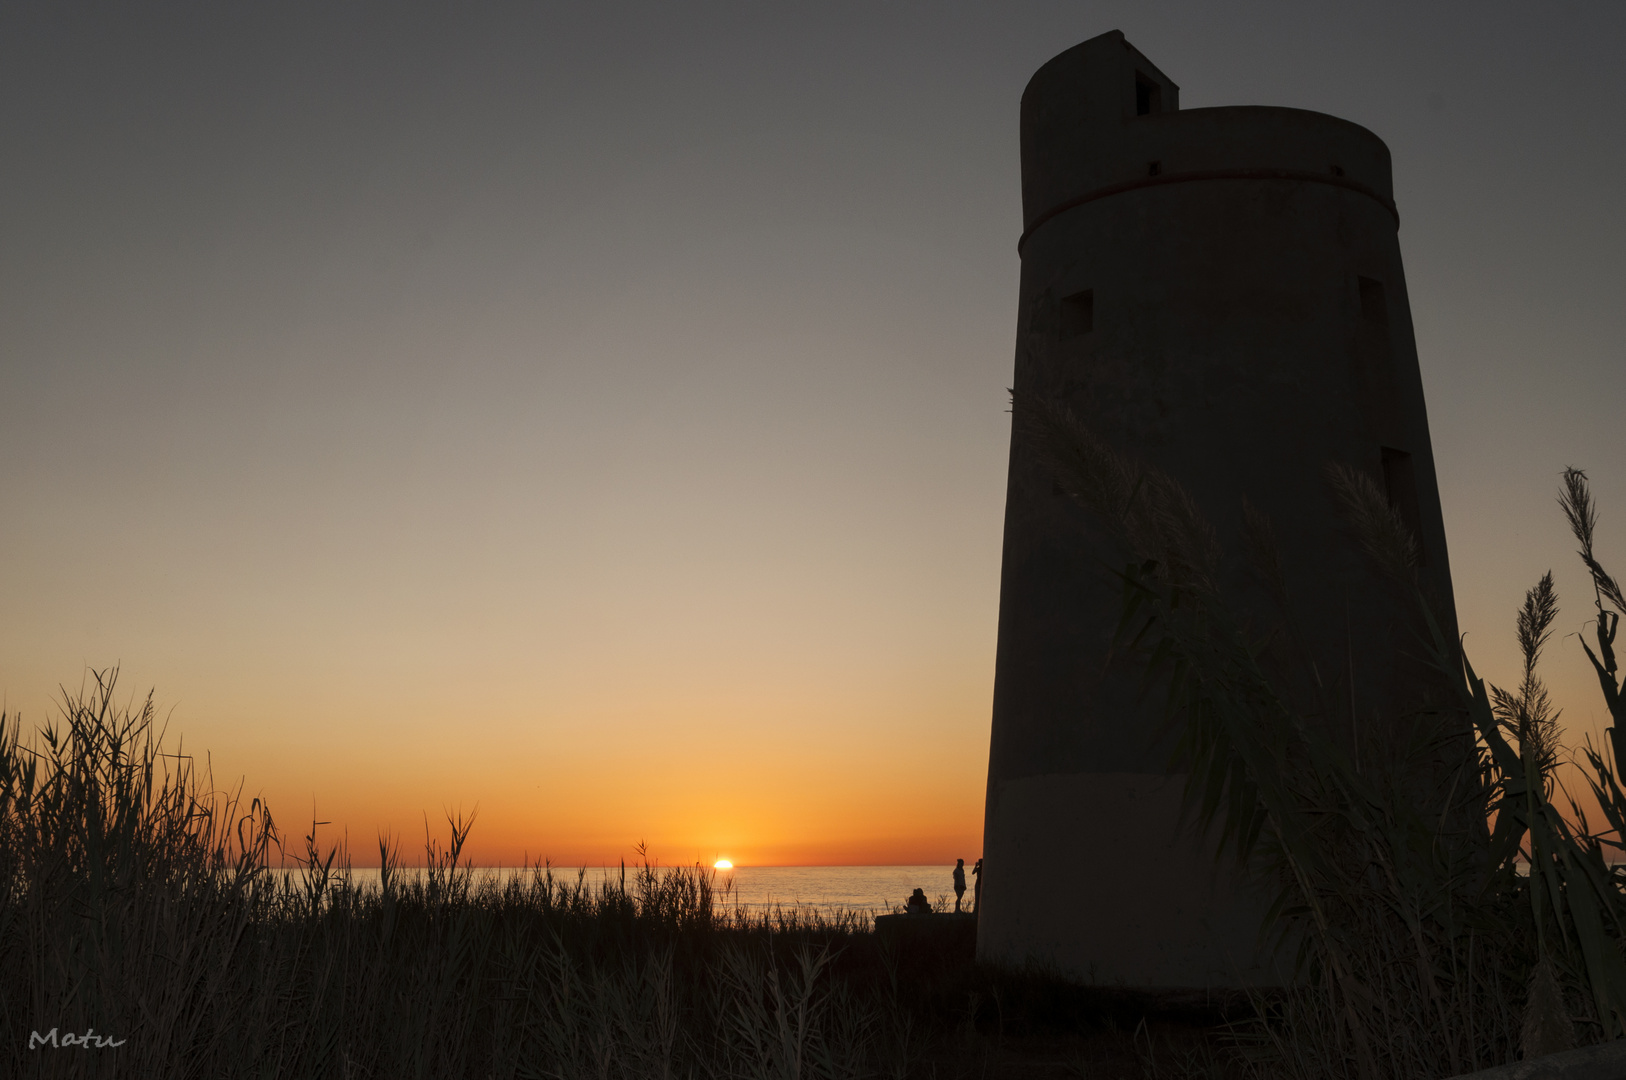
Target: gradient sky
(596,413)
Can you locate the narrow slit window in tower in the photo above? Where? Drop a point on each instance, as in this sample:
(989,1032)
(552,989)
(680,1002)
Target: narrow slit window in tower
(1148,96)
(1373,308)
(1400,483)
(1376,386)
(1078,314)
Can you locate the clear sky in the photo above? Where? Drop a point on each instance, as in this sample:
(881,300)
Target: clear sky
(595,413)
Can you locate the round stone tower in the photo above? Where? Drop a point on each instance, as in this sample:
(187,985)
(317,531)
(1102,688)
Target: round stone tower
(1217,292)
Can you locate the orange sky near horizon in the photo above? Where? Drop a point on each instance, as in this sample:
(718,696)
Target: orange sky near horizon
(893,781)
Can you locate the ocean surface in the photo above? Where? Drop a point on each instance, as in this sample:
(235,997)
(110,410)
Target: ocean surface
(874,890)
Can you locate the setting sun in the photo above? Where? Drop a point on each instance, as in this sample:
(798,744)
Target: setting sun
(722,864)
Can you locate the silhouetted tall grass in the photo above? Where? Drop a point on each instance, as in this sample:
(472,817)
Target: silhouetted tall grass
(139,903)
(142,905)
(1395,852)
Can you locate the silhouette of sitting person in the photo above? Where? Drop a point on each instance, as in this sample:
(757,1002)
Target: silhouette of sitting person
(959,883)
(918,904)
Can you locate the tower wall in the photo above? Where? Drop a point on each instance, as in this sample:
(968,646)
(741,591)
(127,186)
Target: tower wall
(1219,293)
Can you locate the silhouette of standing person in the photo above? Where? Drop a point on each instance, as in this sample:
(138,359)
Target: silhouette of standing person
(959,883)
(976,892)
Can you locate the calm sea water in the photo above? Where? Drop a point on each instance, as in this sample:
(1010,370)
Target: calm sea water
(870,889)
(875,889)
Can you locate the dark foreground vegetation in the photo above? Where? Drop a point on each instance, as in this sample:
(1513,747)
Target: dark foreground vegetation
(1448,902)
(139,905)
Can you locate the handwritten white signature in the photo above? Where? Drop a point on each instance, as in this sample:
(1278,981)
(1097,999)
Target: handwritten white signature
(84,1042)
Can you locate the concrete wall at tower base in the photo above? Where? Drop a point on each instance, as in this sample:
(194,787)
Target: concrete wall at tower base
(1115,886)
